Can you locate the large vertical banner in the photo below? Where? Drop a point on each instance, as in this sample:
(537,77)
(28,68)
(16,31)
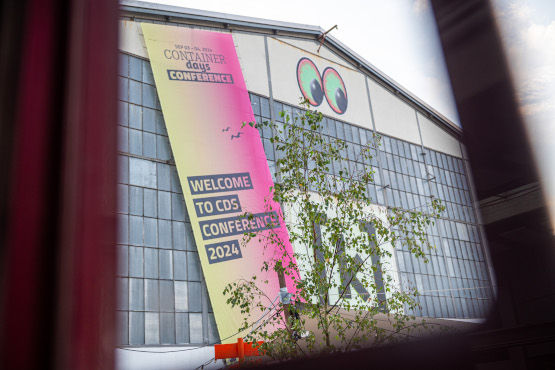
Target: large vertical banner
(221,165)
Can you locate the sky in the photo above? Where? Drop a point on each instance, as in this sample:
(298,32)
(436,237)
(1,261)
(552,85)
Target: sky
(399,38)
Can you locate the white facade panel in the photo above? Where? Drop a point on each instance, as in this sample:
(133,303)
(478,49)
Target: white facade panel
(283,67)
(435,138)
(252,57)
(131,38)
(393,117)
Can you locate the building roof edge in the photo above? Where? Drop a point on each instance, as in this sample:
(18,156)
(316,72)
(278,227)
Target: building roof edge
(144,7)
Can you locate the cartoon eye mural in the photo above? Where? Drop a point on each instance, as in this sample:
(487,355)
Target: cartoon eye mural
(310,81)
(335,91)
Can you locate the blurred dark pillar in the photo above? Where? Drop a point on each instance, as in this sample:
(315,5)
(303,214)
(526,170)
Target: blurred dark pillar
(58,87)
(513,210)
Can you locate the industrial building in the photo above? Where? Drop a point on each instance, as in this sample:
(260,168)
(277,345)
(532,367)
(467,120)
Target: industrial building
(163,299)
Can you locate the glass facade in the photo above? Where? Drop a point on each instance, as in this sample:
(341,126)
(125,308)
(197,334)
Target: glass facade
(162,295)
(454,283)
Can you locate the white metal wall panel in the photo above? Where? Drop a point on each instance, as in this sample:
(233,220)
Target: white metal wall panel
(435,138)
(252,57)
(393,116)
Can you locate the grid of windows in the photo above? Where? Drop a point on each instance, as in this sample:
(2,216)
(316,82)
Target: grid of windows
(355,137)
(404,171)
(455,282)
(162,295)
(448,182)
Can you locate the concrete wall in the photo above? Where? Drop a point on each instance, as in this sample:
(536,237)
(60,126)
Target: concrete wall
(162,358)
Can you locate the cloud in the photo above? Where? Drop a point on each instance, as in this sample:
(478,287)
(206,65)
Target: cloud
(542,39)
(531,53)
(544,106)
(519,11)
(420,6)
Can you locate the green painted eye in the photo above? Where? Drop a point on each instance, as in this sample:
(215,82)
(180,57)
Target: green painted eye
(309,81)
(335,91)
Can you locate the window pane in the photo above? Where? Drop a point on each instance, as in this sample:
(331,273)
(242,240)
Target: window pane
(164,234)
(136,328)
(212,330)
(166,265)
(149,145)
(167,328)
(178,207)
(163,176)
(195,324)
(163,148)
(123,260)
(135,142)
(122,322)
(123,88)
(152,326)
(193,266)
(135,68)
(150,203)
(142,172)
(149,120)
(135,261)
(135,200)
(135,92)
(164,205)
(123,229)
(136,294)
(166,296)
(151,295)
(180,265)
(181,296)
(182,328)
(151,263)
(122,294)
(123,169)
(150,232)
(149,96)
(195,297)
(178,230)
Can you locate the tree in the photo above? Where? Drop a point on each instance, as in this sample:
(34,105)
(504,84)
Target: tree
(344,248)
